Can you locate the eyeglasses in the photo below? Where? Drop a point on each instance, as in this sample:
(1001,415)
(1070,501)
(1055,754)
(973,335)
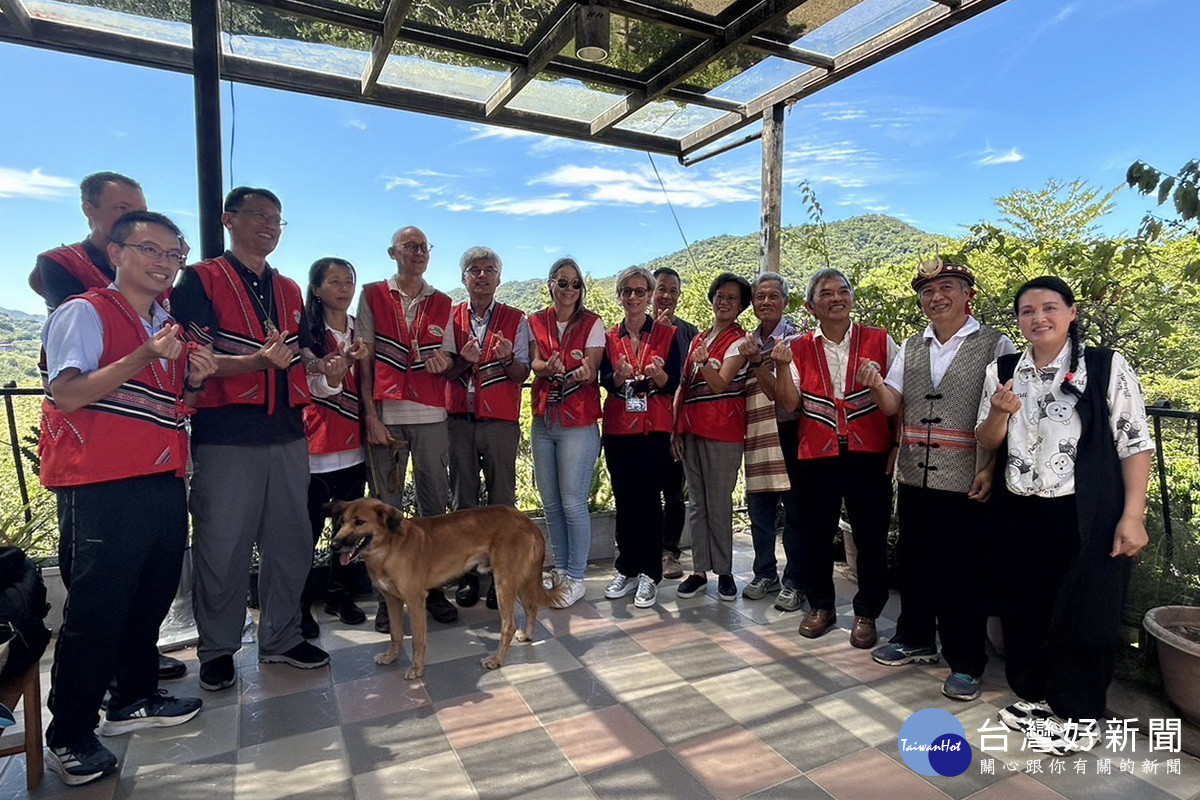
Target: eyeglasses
(475,272)
(155,254)
(631,291)
(416,247)
(563,283)
(263,218)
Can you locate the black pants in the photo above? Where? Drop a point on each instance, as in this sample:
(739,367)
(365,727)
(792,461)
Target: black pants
(674,505)
(120,552)
(634,462)
(941,551)
(1042,662)
(325,487)
(859,479)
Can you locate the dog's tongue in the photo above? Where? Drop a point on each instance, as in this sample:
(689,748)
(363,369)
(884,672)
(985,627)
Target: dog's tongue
(346,557)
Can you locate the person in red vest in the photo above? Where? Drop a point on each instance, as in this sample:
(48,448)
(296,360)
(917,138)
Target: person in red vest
(250,476)
(332,425)
(71,269)
(711,428)
(114,448)
(640,372)
(74,268)
(483,397)
(846,451)
(568,342)
(408,328)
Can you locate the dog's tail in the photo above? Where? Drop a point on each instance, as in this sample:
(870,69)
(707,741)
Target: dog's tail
(549,597)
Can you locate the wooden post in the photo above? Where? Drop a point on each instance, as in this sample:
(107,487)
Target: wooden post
(206,79)
(772,188)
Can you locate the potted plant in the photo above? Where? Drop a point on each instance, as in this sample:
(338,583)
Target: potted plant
(1177,631)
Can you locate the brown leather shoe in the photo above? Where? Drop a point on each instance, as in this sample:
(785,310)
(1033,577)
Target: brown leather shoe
(863,635)
(817,621)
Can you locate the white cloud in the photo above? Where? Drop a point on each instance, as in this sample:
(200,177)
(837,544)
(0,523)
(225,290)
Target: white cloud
(33,184)
(430,173)
(395,182)
(1059,18)
(991,157)
(357,123)
(488,132)
(551,250)
(535,207)
(641,187)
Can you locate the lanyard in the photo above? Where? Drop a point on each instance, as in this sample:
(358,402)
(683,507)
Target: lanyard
(414,333)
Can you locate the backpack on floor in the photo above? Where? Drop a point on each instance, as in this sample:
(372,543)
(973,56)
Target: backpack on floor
(23,607)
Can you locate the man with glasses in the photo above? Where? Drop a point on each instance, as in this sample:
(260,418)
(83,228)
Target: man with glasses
(408,328)
(943,476)
(114,448)
(483,395)
(74,268)
(250,456)
(663,301)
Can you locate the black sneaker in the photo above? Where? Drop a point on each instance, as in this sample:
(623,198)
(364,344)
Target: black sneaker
(490,602)
(170,669)
(84,761)
(692,585)
(468,590)
(308,624)
(160,711)
(726,587)
(346,611)
(440,608)
(302,656)
(382,624)
(217,673)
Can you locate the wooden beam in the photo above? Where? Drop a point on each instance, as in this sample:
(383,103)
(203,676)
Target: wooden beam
(617,111)
(543,50)
(18,15)
(771,189)
(925,24)
(381,45)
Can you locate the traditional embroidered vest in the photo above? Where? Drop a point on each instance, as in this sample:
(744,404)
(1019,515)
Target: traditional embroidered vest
(707,414)
(660,411)
(401,351)
(581,401)
(241,333)
(74,259)
(136,429)
(496,395)
(331,424)
(823,420)
(937,441)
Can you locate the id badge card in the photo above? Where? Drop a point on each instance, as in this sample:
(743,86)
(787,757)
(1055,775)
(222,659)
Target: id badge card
(635,403)
(555,395)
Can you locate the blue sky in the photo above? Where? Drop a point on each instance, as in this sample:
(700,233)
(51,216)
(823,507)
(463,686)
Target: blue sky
(1028,91)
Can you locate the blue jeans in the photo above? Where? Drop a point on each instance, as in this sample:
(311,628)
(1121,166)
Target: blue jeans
(563,462)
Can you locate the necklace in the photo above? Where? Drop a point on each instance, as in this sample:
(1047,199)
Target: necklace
(267,311)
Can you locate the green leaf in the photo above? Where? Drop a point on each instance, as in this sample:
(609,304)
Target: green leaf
(1164,190)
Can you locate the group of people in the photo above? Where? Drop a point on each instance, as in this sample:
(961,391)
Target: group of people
(292,402)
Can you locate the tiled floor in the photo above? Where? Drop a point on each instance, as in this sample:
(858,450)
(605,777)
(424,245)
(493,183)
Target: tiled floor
(692,699)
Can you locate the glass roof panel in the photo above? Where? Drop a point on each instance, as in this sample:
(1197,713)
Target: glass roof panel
(160,24)
(809,16)
(640,48)
(426,69)
(266,35)
(759,79)
(669,119)
(864,21)
(510,21)
(564,97)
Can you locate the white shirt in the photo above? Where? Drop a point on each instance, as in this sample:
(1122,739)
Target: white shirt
(940,355)
(1043,436)
(319,386)
(837,354)
(479,327)
(74,336)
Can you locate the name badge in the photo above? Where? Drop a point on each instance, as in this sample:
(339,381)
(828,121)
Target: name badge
(635,404)
(555,395)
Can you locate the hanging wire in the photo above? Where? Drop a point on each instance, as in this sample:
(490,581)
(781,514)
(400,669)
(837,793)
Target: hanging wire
(686,244)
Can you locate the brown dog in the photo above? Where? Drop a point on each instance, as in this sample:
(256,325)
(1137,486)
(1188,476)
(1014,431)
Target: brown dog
(408,557)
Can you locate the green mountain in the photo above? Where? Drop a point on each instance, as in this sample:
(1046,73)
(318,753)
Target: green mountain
(20,342)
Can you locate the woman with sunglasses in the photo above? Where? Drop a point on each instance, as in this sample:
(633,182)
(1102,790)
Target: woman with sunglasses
(331,423)
(568,342)
(640,372)
(711,434)
(1068,425)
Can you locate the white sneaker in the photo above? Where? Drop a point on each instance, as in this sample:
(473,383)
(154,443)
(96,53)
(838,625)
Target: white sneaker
(620,586)
(573,591)
(647,592)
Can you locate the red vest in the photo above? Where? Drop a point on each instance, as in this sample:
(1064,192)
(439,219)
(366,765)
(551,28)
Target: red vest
(400,353)
(74,259)
(581,401)
(496,395)
(331,424)
(241,334)
(720,417)
(660,407)
(856,417)
(136,429)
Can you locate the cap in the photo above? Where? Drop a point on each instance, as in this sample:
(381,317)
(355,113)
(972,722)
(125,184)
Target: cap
(940,268)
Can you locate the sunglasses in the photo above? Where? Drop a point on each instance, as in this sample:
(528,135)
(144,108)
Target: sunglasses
(563,283)
(631,291)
